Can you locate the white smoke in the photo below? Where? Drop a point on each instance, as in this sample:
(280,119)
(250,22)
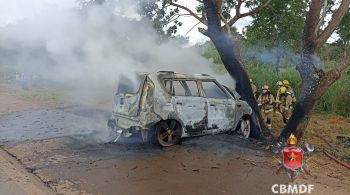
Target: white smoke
(89,48)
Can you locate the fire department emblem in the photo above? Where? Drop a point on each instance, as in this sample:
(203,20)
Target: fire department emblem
(292,158)
(293,162)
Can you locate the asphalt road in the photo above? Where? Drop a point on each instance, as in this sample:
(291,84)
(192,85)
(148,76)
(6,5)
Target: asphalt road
(66,149)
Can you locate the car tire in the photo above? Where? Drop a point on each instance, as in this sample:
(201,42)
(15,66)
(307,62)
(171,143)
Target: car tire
(244,127)
(168,133)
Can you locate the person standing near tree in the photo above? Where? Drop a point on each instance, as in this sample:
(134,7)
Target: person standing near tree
(289,90)
(279,84)
(285,100)
(265,102)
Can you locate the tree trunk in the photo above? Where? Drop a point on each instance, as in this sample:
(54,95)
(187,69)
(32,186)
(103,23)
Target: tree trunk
(225,47)
(315,80)
(279,56)
(312,90)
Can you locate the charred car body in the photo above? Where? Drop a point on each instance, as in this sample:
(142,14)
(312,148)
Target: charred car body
(168,106)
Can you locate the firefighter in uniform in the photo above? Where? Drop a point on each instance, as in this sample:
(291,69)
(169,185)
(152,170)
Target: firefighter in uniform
(265,102)
(253,87)
(289,89)
(285,103)
(279,84)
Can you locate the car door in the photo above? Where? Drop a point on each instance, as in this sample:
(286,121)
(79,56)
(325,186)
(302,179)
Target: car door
(221,106)
(190,107)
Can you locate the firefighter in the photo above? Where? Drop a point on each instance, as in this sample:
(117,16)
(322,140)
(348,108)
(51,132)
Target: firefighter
(289,89)
(285,101)
(265,102)
(279,84)
(253,86)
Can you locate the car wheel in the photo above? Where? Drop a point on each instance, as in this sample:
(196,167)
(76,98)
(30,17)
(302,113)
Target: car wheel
(168,133)
(244,128)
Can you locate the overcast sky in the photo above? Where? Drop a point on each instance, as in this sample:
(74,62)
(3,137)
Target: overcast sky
(13,10)
(10,11)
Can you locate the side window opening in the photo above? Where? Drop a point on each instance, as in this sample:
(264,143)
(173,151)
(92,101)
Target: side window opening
(178,89)
(181,87)
(193,88)
(212,90)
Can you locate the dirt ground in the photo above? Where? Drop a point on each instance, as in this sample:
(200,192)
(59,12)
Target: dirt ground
(64,146)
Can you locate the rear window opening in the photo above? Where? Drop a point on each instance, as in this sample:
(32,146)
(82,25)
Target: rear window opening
(128,85)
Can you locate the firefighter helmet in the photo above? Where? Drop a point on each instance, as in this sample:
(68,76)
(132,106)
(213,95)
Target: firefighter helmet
(265,87)
(279,83)
(292,140)
(283,90)
(285,82)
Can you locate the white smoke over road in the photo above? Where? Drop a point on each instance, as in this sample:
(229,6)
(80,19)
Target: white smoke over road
(89,48)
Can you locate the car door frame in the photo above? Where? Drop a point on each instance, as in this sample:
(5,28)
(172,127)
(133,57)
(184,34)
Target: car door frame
(229,111)
(192,124)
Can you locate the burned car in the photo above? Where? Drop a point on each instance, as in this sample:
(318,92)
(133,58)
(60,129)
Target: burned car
(167,106)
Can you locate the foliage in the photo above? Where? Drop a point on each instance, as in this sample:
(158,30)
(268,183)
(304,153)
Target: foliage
(343,31)
(344,28)
(164,19)
(280,21)
(337,98)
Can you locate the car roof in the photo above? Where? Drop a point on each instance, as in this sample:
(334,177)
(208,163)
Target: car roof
(177,75)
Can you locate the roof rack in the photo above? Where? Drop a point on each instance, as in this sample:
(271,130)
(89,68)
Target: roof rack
(165,71)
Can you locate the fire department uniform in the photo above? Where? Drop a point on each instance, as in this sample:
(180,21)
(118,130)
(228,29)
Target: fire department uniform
(285,102)
(265,102)
(289,89)
(279,84)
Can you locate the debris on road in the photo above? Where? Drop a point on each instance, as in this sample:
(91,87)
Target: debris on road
(134,168)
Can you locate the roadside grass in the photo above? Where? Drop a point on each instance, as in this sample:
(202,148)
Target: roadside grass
(60,95)
(41,93)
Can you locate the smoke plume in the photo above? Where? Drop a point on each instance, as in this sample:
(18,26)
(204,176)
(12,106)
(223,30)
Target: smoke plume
(88,48)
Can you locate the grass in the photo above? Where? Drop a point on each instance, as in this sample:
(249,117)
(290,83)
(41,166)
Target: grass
(41,93)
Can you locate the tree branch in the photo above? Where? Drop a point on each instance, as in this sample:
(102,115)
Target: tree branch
(202,20)
(339,69)
(324,8)
(227,27)
(332,76)
(238,7)
(192,28)
(252,12)
(312,19)
(333,24)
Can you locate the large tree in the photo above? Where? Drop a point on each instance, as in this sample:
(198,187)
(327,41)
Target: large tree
(218,18)
(315,81)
